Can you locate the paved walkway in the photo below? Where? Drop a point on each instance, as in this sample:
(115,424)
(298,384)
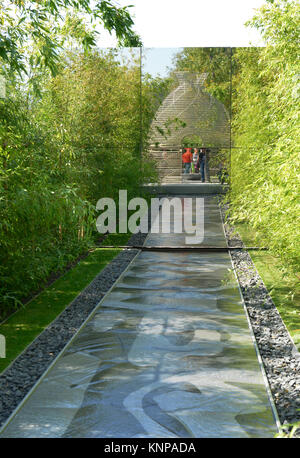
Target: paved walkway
(167,353)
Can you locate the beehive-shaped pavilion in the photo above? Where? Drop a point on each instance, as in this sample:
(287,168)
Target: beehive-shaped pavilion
(189,111)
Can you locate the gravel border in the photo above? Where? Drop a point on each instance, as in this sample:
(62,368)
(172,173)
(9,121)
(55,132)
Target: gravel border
(280,357)
(23,373)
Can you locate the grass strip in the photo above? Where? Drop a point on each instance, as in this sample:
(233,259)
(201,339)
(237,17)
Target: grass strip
(21,328)
(283,286)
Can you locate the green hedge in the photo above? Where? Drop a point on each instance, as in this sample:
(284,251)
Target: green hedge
(265,160)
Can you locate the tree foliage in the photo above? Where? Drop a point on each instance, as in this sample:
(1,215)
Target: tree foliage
(216,62)
(45,25)
(79,140)
(265,160)
(80,137)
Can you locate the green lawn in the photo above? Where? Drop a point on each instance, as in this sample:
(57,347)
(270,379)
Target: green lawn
(29,321)
(282,286)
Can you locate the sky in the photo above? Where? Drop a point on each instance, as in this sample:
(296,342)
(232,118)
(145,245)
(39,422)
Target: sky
(156,61)
(165,26)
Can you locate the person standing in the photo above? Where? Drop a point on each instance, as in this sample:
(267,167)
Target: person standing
(187,158)
(201,164)
(195,160)
(207,171)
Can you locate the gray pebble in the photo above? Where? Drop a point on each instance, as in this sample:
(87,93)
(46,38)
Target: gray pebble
(279,355)
(30,365)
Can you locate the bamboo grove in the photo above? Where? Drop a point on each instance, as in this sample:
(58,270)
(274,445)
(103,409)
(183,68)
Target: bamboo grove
(71,136)
(77,139)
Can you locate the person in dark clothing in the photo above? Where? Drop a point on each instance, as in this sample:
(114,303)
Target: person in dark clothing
(201,164)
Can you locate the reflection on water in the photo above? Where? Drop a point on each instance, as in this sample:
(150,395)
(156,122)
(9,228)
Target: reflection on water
(167,354)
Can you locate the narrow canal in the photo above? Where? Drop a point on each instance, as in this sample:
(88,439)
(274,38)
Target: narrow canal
(168,353)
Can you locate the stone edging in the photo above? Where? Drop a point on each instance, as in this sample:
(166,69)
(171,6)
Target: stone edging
(23,373)
(280,357)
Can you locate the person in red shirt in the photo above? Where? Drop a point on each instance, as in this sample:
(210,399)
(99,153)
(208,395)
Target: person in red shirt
(187,159)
